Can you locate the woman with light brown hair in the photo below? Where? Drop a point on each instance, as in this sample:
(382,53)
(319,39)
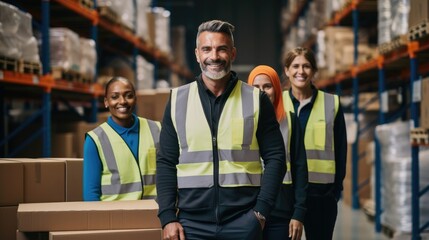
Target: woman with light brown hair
(324,132)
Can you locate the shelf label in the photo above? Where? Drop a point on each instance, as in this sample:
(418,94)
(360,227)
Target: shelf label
(1,75)
(385,101)
(417,90)
(36,80)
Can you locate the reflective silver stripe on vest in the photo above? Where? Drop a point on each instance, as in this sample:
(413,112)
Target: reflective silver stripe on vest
(321,177)
(247,107)
(207,156)
(116,187)
(320,154)
(182,96)
(329,119)
(155,131)
(240,178)
(195,181)
(149,179)
(284,128)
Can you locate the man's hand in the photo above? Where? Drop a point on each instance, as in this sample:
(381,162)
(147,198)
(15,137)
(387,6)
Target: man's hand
(261,219)
(295,229)
(173,231)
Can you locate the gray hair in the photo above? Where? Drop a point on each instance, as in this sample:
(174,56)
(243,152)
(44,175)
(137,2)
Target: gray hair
(216,26)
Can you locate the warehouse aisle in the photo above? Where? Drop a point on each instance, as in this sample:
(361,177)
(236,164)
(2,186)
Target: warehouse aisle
(354,225)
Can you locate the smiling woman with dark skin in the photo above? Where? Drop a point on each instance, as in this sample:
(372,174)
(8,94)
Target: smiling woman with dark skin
(120,154)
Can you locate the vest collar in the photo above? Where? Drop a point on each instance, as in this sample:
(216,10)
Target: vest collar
(121,130)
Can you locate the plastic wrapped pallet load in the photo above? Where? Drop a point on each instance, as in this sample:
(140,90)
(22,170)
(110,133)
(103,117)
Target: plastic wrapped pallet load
(397,177)
(64,49)
(16,34)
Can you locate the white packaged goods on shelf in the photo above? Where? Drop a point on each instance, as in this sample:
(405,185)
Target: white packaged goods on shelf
(384,20)
(397,177)
(64,49)
(123,8)
(162,29)
(392,19)
(336,46)
(145,74)
(142,29)
(400,12)
(88,57)
(16,34)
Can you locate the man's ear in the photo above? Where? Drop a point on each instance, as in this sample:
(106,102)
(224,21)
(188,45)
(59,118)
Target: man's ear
(196,55)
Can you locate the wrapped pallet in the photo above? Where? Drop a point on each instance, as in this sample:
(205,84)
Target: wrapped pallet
(392,19)
(16,34)
(162,29)
(64,49)
(142,28)
(88,57)
(124,10)
(397,177)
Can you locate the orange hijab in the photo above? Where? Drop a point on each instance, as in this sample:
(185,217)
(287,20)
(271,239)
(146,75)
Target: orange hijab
(275,80)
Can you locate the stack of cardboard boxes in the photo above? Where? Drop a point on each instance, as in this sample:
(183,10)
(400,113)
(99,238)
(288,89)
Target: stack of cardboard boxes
(42,198)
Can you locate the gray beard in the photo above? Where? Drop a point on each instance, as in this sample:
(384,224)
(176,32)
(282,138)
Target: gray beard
(215,75)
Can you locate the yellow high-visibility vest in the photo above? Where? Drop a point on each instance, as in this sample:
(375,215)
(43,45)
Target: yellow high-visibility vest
(235,142)
(319,137)
(123,178)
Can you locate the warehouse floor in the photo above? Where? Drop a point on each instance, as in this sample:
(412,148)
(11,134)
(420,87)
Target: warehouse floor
(355,225)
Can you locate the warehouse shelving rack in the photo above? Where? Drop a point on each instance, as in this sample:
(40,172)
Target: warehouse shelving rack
(398,67)
(86,22)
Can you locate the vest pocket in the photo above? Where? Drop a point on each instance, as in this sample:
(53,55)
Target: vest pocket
(237,131)
(319,135)
(151,159)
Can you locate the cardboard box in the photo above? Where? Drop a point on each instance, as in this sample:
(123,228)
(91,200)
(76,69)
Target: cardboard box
(74,178)
(44,180)
(151,103)
(62,145)
(8,222)
(79,130)
(161,99)
(419,12)
(73,216)
(146,103)
(134,234)
(11,183)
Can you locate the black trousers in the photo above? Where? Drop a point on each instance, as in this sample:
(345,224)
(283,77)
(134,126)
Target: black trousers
(276,229)
(320,217)
(244,227)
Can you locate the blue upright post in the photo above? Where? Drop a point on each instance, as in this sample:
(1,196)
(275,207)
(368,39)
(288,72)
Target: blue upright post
(94,36)
(377,161)
(3,121)
(45,53)
(46,123)
(46,64)
(355,155)
(415,178)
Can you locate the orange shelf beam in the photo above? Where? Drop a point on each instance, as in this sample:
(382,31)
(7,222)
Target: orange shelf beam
(90,14)
(26,79)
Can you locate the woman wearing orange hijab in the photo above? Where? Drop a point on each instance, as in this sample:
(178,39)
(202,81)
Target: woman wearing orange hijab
(287,218)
